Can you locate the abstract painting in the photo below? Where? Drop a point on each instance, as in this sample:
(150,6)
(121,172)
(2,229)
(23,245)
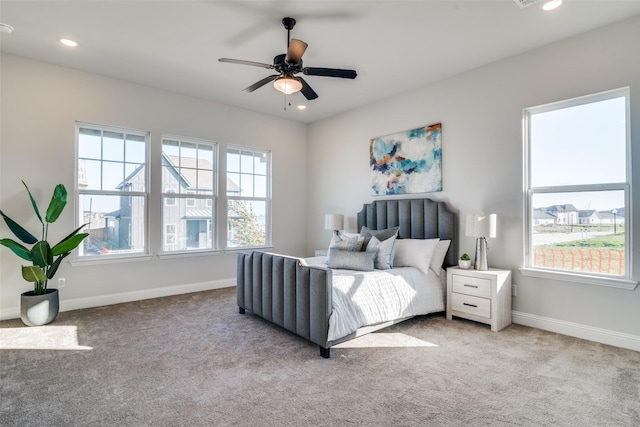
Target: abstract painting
(407,162)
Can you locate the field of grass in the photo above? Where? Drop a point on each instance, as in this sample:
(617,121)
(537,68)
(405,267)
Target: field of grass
(609,241)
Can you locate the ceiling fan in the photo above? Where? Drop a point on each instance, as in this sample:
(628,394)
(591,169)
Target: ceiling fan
(290,63)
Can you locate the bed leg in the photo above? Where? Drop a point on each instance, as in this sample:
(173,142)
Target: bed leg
(325,352)
(241,310)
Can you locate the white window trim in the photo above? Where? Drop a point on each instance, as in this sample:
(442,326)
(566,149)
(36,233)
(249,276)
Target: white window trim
(621,282)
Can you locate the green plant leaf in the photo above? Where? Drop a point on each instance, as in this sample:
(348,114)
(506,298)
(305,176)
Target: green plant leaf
(32,273)
(57,203)
(68,244)
(17,248)
(41,254)
(54,267)
(33,203)
(19,232)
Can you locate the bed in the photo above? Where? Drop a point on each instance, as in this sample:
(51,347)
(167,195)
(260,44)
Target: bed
(314,301)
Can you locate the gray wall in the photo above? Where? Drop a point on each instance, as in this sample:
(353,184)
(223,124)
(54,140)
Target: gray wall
(40,104)
(481,115)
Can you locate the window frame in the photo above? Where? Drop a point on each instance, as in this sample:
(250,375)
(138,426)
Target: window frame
(267,199)
(623,281)
(210,200)
(79,193)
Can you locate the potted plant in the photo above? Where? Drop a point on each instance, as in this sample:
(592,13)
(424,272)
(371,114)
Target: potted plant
(40,306)
(464,261)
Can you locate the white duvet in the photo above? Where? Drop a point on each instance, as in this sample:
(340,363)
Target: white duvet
(366,298)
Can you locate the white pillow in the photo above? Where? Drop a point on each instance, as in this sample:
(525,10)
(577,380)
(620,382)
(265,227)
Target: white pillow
(415,253)
(384,252)
(438,256)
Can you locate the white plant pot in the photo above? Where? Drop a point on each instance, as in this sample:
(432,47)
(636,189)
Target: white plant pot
(464,263)
(38,310)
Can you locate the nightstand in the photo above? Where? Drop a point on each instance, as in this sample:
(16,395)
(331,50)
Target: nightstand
(482,296)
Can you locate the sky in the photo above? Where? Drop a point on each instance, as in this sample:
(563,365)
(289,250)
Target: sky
(580,145)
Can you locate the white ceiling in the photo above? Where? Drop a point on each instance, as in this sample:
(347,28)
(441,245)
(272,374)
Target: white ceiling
(395,46)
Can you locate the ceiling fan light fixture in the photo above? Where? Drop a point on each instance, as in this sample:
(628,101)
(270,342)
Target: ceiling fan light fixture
(287,85)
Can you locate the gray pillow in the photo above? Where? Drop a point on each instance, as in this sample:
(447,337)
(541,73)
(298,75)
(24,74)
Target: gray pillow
(384,252)
(382,235)
(349,260)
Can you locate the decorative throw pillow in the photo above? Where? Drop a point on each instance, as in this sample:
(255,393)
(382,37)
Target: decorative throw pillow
(350,243)
(415,253)
(382,235)
(349,260)
(384,252)
(438,256)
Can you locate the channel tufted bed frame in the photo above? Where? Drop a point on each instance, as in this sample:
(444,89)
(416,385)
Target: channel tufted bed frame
(298,297)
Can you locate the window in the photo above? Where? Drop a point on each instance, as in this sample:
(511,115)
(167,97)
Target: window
(578,179)
(189,194)
(112,190)
(248,197)
(169,234)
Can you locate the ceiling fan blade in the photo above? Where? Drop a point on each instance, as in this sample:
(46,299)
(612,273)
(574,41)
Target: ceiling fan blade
(261,83)
(306,90)
(330,72)
(242,62)
(295,51)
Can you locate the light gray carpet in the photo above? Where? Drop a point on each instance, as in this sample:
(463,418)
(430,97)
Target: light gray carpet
(192,360)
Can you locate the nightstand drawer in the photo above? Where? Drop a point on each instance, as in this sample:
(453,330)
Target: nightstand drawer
(472,305)
(472,285)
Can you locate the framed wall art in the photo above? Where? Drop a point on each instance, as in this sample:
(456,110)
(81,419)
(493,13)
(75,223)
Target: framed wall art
(407,162)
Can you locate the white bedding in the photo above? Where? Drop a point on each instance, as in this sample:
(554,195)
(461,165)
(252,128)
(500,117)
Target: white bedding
(366,298)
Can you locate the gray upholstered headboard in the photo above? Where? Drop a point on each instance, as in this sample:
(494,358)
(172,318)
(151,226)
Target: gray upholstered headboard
(416,219)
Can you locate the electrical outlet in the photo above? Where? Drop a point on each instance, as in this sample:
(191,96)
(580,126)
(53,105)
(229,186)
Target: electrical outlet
(514,291)
(61,282)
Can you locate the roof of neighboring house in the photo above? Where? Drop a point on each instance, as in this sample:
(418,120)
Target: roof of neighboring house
(539,214)
(608,214)
(186,174)
(561,208)
(585,213)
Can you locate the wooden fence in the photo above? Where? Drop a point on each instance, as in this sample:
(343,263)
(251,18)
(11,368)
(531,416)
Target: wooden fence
(595,260)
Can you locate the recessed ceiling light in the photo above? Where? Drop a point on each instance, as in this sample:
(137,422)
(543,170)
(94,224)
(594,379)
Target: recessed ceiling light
(68,42)
(6,28)
(302,107)
(552,4)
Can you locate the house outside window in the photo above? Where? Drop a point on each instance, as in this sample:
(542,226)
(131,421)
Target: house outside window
(578,186)
(248,197)
(189,192)
(112,190)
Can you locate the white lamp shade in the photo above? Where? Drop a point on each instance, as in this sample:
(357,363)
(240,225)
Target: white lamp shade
(481,225)
(333,221)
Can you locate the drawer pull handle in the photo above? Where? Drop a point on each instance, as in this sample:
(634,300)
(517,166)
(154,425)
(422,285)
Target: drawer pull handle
(470,286)
(470,305)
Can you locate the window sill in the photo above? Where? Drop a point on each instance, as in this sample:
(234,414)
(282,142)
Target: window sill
(99,260)
(605,281)
(188,254)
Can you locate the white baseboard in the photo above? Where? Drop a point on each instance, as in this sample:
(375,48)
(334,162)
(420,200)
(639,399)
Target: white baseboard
(98,301)
(603,336)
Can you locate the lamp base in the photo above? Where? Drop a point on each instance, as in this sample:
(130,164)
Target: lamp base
(481,255)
